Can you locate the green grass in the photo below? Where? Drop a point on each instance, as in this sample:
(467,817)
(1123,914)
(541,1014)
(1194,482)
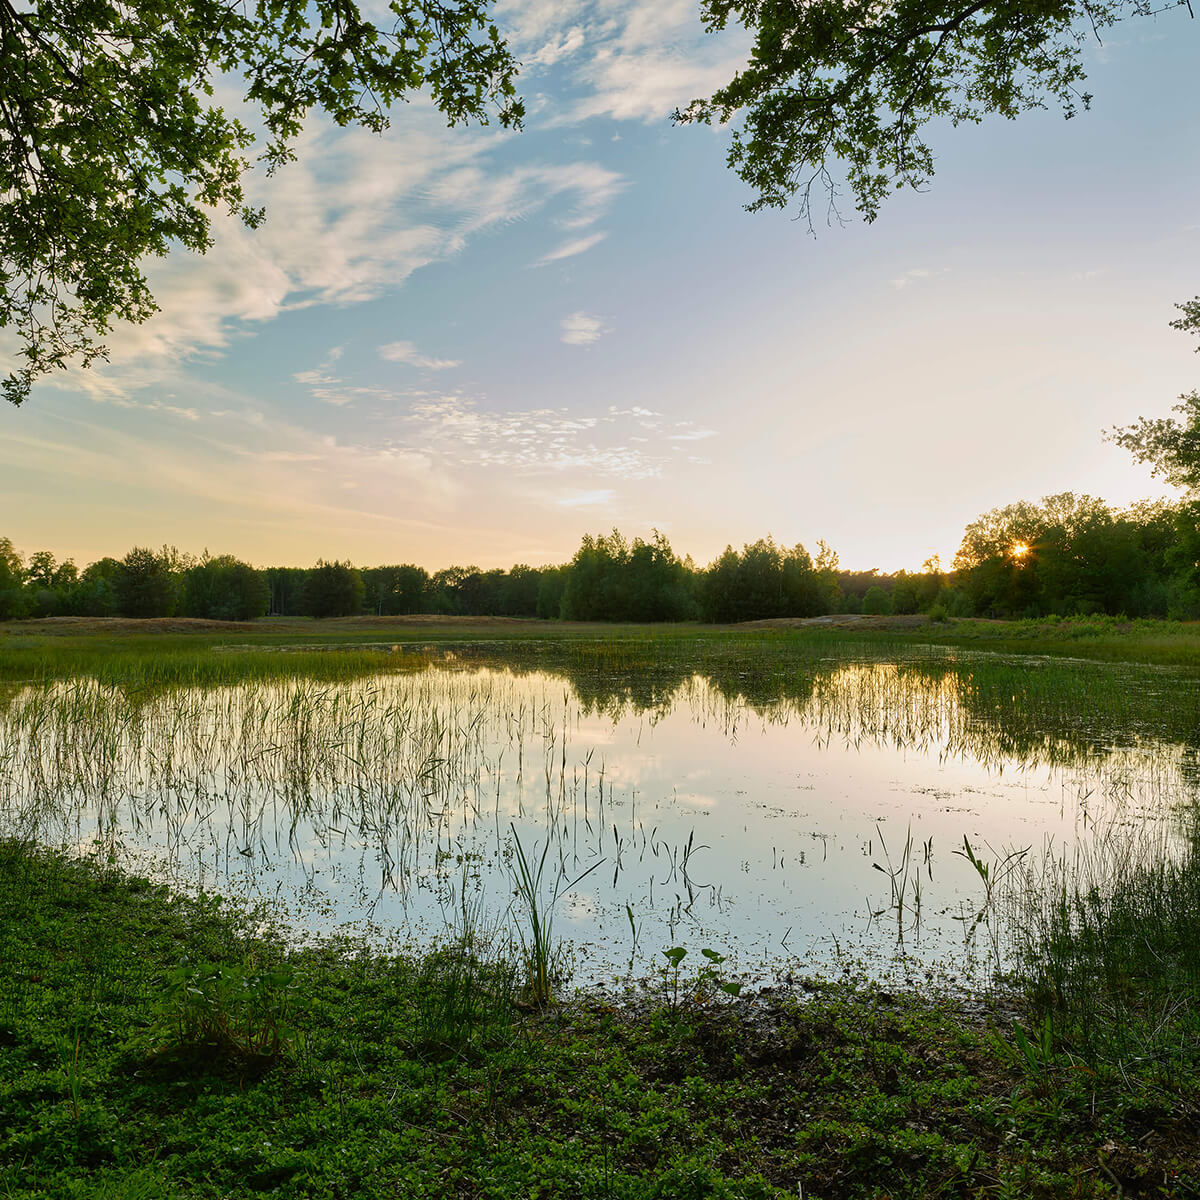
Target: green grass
(151,654)
(1106,639)
(415,1075)
(1113,969)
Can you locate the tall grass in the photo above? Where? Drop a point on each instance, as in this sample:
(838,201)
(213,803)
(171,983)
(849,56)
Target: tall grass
(536,926)
(1109,959)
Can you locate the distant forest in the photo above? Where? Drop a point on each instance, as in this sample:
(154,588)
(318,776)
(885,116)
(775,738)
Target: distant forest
(1067,555)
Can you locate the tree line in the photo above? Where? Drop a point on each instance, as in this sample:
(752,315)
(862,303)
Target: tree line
(1067,554)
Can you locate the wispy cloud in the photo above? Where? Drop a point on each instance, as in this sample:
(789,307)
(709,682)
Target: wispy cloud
(452,435)
(630,60)
(406,352)
(352,219)
(600,498)
(581,329)
(571,248)
(915,275)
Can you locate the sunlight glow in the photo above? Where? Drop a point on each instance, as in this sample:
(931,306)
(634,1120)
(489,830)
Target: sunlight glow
(1019,550)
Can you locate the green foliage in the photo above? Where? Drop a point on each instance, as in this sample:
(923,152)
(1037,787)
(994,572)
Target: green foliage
(1171,446)
(876,602)
(464,1002)
(96,594)
(116,151)
(286,588)
(1113,973)
(226,1011)
(390,591)
(836,85)
(333,589)
(707,982)
(552,582)
(1074,555)
(225,589)
(765,581)
(906,594)
(536,926)
(610,579)
(145,584)
(13,601)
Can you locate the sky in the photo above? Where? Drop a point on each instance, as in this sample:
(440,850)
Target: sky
(472,346)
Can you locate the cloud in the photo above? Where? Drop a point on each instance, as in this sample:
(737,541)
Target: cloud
(601,497)
(329,388)
(629,60)
(457,433)
(580,329)
(914,274)
(571,248)
(453,435)
(560,46)
(406,352)
(352,219)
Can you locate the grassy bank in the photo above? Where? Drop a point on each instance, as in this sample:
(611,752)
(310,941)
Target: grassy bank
(163,652)
(159,1046)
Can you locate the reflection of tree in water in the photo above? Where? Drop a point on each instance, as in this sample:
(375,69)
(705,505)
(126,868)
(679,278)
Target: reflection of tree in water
(407,762)
(1035,711)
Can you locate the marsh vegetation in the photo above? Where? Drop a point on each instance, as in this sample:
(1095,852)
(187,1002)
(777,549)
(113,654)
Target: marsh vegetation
(782,807)
(377,870)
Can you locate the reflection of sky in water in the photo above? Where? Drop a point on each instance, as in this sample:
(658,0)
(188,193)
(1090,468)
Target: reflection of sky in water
(758,833)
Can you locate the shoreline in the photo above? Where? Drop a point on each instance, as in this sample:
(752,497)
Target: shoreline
(375,1076)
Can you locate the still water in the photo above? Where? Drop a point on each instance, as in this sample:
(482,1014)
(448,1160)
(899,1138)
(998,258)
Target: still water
(801,817)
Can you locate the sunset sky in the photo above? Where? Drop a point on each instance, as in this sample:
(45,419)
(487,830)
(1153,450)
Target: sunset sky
(471,346)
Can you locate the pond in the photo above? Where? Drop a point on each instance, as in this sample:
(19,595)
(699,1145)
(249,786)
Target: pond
(795,812)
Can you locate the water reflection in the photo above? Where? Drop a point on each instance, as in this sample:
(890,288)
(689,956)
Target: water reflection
(776,809)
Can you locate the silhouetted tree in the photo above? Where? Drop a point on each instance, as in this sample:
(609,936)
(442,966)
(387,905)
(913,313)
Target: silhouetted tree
(146,585)
(225,589)
(14,602)
(333,589)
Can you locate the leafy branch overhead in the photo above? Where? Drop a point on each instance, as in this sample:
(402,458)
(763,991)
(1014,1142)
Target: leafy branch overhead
(1170,446)
(112,147)
(848,86)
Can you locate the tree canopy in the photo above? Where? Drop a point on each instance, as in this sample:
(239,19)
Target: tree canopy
(111,147)
(850,85)
(1170,446)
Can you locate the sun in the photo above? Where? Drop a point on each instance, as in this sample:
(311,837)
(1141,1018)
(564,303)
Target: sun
(1019,550)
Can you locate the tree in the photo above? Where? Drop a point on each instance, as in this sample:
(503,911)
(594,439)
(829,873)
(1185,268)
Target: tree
(519,595)
(396,589)
(286,588)
(766,580)
(877,602)
(552,581)
(111,149)
(96,593)
(333,589)
(13,602)
(225,589)
(49,584)
(1171,447)
(610,579)
(853,83)
(146,584)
